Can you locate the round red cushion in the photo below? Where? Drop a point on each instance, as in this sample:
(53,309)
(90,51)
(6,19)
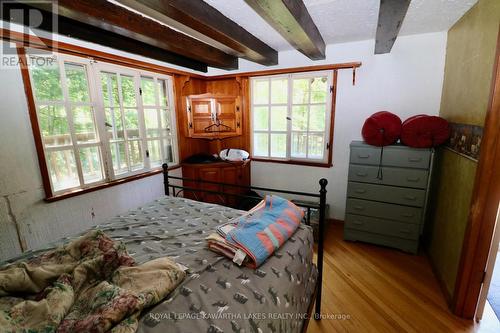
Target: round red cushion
(381,129)
(424,131)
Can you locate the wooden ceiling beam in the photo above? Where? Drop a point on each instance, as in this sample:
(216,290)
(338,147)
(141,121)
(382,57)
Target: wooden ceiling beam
(78,30)
(292,20)
(119,20)
(199,19)
(390,18)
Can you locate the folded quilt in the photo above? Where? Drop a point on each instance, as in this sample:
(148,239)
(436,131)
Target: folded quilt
(87,285)
(261,233)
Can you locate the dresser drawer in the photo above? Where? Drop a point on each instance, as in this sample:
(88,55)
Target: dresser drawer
(385,193)
(396,155)
(414,178)
(384,210)
(407,245)
(381,226)
(407,157)
(368,155)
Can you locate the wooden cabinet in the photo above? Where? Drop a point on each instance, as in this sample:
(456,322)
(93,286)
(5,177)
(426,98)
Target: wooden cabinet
(213,116)
(237,173)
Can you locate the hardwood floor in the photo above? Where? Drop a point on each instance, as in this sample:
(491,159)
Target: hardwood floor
(376,289)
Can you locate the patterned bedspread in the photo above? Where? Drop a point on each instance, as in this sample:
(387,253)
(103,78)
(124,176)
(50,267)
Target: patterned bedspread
(217,295)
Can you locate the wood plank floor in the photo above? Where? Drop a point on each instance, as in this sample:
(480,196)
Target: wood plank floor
(375,289)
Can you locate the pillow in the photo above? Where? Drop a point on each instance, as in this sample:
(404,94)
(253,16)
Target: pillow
(381,129)
(423,131)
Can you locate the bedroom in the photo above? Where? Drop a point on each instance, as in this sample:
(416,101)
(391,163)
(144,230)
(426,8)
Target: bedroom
(98,95)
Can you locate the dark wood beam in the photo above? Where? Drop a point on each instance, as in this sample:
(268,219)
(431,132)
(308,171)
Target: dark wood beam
(108,16)
(78,30)
(199,19)
(390,18)
(292,20)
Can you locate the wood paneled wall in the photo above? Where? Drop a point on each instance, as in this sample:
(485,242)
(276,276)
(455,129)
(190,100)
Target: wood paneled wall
(185,86)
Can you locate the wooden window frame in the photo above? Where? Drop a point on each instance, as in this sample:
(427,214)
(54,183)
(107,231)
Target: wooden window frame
(327,162)
(50,196)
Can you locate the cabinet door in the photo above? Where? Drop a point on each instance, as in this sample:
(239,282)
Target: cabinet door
(228,113)
(200,116)
(189,172)
(231,176)
(213,175)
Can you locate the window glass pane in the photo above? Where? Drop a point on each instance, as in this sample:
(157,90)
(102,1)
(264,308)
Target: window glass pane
(148,91)
(279,91)
(135,155)
(128,91)
(300,91)
(260,92)
(54,125)
(162,90)
(109,86)
(299,118)
(132,123)
(83,121)
(278,145)
(278,118)
(154,152)
(168,151)
(299,144)
(76,77)
(260,118)
(114,123)
(318,90)
(315,146)
(317,117)
(165,122)
(118,157)
(90,157)
(46,79)
(261,144)
(151,119)
(62,169)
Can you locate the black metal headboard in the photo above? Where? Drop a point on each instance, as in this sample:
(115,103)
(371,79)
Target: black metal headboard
(178,189)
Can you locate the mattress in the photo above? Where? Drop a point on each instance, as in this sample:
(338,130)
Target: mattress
(217,295)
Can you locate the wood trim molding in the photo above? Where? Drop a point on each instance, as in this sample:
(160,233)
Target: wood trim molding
(345,65)
(25,40)
(484,207)
(292,162)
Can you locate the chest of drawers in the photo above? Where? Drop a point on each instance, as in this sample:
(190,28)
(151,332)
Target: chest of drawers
(387,195)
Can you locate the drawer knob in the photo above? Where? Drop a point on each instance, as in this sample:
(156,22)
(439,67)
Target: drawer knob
(415,159)
(363,156)
(361,174)
(413,179)
(360,191)
(410,197)
(359,208)
(407,215)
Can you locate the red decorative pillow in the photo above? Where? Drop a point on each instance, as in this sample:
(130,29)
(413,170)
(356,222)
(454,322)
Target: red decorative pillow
(381,129)
(424,131)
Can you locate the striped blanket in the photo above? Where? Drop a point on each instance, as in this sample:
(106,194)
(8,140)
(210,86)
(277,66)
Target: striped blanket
(261,233)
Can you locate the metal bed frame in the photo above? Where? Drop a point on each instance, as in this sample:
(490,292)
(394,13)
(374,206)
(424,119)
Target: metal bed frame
(178,189)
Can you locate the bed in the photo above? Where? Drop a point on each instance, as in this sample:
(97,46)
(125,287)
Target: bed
(217,295)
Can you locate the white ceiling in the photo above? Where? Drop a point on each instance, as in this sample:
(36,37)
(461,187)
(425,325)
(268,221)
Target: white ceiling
(342,21)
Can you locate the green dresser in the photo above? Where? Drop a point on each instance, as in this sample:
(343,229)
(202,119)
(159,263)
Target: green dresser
(387,195)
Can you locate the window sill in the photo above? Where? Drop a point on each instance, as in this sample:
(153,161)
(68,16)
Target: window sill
(304,163)
(77,192)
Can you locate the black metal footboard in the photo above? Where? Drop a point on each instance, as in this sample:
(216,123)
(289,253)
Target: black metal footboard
(176,190)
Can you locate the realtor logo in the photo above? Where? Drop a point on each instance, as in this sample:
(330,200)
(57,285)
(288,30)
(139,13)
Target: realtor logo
(30,23)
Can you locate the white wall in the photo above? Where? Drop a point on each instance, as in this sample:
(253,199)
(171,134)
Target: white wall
(21,191)
(407,81)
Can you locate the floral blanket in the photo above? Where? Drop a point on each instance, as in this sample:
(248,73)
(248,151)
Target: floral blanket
(87,285)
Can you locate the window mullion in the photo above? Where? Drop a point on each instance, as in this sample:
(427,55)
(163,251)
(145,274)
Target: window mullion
(172,119)
(142,123)
(69,117)
(122,112)
(269,125)
(289,115)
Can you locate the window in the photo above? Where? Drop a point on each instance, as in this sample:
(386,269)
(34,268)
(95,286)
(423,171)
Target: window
(291,116)
(100,122)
